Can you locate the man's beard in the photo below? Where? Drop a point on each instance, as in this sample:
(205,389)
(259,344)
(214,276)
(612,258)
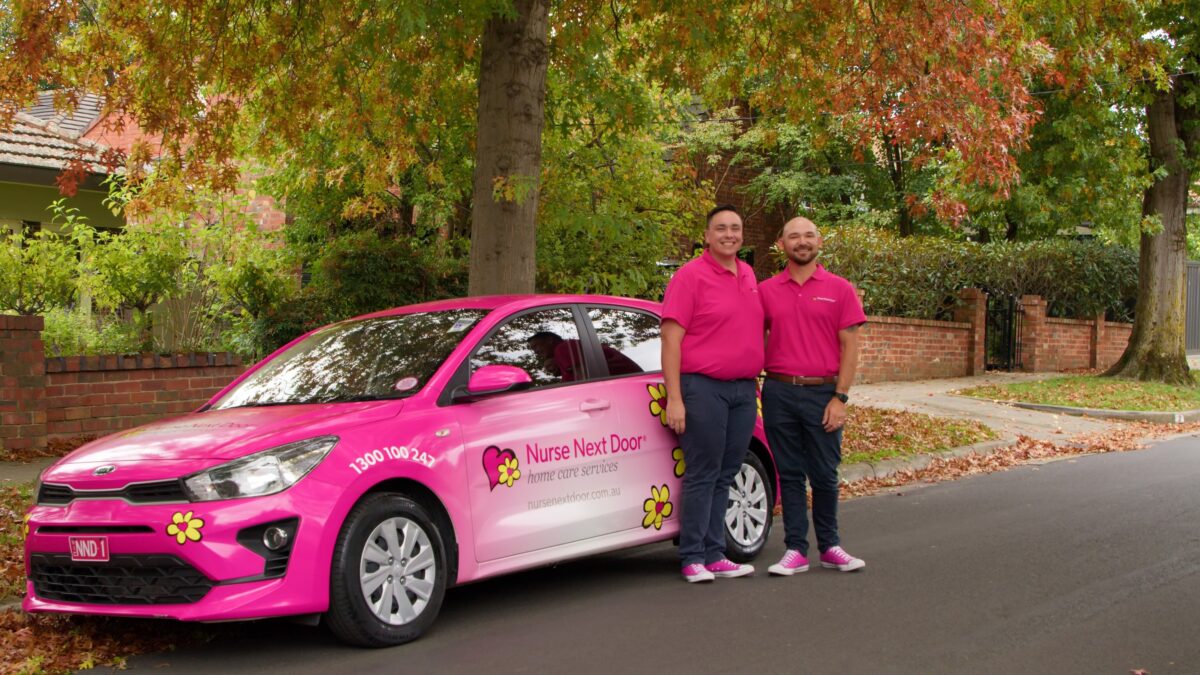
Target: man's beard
(802,257)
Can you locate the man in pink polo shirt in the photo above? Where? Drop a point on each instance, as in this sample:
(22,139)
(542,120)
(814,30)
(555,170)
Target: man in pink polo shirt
(812,320)
(712,350)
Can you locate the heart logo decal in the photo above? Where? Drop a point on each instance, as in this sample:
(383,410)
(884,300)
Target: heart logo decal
(500,466)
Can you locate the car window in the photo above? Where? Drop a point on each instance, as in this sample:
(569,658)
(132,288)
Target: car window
(629,339)
(545,343)
(363,359)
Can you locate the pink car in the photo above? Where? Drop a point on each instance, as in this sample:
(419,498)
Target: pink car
(367,466)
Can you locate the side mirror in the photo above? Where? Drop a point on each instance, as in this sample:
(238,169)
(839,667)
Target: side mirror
(495,379)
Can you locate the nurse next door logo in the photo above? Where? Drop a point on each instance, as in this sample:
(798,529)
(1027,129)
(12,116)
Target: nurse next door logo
(583,448)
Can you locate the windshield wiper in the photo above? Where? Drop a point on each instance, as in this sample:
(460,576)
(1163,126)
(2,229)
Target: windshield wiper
(268,404)
(369,397)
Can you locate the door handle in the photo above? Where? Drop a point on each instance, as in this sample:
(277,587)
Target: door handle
(594,404)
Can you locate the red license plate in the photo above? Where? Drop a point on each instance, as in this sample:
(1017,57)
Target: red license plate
(89,549)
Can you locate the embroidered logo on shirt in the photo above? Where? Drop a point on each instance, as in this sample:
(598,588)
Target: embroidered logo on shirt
(823,299)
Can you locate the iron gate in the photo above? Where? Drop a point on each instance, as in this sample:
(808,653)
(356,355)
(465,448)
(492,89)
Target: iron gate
(1193,307)
(1002,332)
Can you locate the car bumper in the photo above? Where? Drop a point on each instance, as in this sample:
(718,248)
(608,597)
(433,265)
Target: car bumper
(190,561)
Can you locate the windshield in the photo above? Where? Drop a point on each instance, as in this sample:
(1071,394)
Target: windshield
(365,360)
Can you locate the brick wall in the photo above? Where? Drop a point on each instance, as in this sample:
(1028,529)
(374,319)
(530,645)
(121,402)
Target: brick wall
(1049,344)
(1068,344)
(98,395)
(22,383)
(1113,340)
(895,349)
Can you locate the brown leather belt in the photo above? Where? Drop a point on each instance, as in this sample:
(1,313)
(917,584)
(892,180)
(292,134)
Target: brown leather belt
(802,381)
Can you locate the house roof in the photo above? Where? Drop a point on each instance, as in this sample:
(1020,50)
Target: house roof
(33,142)
(74,124)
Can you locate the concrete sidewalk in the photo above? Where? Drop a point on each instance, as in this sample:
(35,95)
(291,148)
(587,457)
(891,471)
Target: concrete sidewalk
(936,397)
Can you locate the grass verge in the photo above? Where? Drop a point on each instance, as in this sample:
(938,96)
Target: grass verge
(874,434)
(1093,391)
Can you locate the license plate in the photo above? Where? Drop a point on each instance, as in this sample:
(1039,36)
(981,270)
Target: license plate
(89,549)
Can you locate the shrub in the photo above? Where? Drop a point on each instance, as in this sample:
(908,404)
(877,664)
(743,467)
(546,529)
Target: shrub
(37,271)
(920,277)
(74,332)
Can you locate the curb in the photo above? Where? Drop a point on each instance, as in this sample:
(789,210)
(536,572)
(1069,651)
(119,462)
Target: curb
(1128,415)
(887,467)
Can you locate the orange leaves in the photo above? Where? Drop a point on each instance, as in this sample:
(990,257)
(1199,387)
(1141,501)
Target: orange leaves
(1124,438)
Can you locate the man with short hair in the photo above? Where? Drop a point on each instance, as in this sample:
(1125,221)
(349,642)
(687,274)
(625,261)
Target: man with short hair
(712,351)
(812,319)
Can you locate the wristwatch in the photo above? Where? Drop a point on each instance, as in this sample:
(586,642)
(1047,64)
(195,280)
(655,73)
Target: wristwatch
(841,397)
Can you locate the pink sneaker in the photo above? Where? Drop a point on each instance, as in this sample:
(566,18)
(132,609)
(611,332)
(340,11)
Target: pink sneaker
(696,572)
(728,569)
(836,558)
(792,562)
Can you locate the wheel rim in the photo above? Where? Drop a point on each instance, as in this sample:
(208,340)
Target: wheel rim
(748,511)
(397,571)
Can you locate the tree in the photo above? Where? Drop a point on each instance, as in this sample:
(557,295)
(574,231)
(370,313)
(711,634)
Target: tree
(385,81)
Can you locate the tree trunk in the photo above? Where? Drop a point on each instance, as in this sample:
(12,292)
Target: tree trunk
(895,160)
(1157,346)
(508,154)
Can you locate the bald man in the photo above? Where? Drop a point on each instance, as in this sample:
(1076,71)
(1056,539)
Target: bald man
(812,318)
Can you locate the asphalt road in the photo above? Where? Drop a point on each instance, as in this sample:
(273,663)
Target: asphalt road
(1089,565)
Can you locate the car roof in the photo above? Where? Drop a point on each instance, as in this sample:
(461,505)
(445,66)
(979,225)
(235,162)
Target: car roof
(513,303)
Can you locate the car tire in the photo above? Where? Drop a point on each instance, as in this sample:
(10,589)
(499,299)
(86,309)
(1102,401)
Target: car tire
(750,512)
(389,572)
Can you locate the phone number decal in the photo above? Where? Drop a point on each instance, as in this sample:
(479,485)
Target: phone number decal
(380,455)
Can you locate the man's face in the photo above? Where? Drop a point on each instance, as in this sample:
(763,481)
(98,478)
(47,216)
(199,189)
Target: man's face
(800,241)
(724,233)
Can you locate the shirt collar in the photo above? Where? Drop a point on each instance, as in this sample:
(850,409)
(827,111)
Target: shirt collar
(708,256)
(819,274)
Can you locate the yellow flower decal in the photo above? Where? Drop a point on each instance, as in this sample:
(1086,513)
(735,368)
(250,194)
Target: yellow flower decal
(509,471)
(184,527)
(657,507)
(680,465)
(759,399)
(658,401)
(25,527)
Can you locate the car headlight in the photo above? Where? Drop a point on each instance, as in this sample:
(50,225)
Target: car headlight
(263,473)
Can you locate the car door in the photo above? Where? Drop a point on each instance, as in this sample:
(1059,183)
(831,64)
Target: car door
(536,457)
(650,463)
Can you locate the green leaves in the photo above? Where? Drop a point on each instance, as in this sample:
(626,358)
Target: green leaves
(37,271)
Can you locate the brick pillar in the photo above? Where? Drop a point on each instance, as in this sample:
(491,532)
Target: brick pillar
(22,383)
(1033,332)
(973,310)
(1097,340)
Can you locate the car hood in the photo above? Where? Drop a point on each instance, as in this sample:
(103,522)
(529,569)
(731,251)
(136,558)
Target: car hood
(202,439)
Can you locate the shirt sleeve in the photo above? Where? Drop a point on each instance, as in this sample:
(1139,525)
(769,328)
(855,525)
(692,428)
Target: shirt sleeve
(852,309)
(679,300)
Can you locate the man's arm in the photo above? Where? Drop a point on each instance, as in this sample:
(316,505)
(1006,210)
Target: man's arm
(672,354)
(835,411)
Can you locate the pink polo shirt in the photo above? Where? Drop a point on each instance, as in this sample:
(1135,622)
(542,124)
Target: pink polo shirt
(804,321)
(721,317)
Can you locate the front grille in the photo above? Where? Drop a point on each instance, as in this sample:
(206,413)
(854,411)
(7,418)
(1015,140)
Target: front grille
(123,580)
(157,492)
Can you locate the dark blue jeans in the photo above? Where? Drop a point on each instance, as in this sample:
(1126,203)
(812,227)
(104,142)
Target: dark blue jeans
(720,421)
(803,450)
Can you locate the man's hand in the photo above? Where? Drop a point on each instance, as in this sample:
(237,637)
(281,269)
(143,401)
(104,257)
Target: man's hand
(835,415)
(676,415)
